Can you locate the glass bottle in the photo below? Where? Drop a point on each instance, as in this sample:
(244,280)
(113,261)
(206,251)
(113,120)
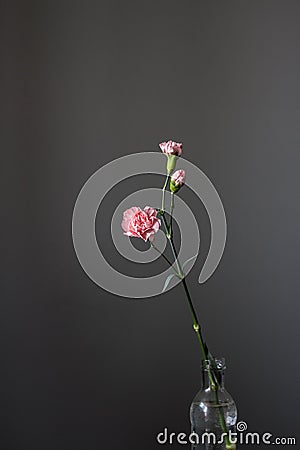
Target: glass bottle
(213,411)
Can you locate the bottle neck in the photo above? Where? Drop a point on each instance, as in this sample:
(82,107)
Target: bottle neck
(206,376)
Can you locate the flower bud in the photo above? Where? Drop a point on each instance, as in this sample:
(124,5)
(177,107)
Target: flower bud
(177,180)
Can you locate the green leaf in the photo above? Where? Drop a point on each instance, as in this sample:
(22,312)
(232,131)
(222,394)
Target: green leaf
(188,260)
(167,282)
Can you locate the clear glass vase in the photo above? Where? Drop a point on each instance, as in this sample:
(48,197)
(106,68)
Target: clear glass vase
(213,411)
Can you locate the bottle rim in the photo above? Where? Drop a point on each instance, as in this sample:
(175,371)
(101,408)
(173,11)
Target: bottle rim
(219,364)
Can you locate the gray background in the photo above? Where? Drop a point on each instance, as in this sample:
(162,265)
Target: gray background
(84,83)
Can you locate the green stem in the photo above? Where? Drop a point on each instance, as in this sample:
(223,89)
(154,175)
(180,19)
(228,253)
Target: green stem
(212,376)
(163,194)
(198,331)
(171,214)
(162,255)
(197,327)
(176,260)
(213,379)
(229,445)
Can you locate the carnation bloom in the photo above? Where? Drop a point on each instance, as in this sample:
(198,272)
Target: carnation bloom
(171,148)
(177,180)
(141,223)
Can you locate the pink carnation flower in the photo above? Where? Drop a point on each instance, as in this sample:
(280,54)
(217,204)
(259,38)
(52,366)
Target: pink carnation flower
(141,223)
(171,148)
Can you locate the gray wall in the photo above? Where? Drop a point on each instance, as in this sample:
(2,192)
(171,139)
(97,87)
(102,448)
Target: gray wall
(84,83)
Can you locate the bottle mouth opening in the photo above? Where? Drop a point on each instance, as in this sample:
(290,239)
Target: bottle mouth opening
(216,363)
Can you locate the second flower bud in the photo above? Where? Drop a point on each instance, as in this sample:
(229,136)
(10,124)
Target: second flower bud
(177,180)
